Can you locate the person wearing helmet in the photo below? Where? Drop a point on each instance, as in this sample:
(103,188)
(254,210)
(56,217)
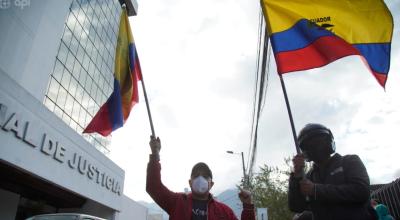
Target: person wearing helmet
(336,187)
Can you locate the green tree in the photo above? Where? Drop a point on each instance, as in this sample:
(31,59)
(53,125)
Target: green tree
(269,188)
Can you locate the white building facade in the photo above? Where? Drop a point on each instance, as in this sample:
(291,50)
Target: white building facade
(56,70)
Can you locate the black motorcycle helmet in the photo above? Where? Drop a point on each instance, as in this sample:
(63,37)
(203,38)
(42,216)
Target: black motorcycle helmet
(316,142)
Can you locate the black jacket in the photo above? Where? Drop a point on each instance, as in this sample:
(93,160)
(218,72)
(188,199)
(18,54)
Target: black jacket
(341,191)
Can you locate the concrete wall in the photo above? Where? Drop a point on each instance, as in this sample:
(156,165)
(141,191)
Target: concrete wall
(29,41)
(155,217)
(36,140)
(131,210)
(8,205)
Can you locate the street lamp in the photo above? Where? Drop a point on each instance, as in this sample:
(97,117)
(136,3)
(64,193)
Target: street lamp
(244,169)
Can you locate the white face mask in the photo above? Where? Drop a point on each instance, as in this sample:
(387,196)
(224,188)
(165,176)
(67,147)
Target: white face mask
(200,185)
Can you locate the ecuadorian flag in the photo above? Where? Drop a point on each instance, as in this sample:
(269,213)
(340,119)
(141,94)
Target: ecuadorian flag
(306,34)
(113,114)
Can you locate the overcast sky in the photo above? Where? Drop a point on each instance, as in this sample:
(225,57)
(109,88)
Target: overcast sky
(198,61)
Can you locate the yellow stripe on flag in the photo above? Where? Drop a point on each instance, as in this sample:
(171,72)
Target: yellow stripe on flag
(347,19)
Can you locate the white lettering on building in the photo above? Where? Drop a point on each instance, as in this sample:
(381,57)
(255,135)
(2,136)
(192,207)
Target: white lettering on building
(49,146)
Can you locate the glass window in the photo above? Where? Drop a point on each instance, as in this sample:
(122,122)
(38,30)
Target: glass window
(79,93)
(66,118)
(70,25)
(58,111)
(85,100)
(79,12)
(83,37)
(65,80)
(82,76)
(93,90)
(79,129)
(73,124)
(94,71)
(69,104)
(78,29)
(98,97)
(82,79)
(74,45)
(88,85)
(61,97)
(49,104)
(73,87)
(58,70)
(87,119)
(69,64)
(53,90)
(62,53)
(77,69)
(82,117)
(84,40)
(75,111)
(90,67)
(92,107)
(86,60)
(74,5)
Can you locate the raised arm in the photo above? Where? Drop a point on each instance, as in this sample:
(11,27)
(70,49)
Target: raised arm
(248,212)
(155,188)
(297,201)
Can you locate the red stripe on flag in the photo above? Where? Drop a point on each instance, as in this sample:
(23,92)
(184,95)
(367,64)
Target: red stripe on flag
(320,53)
(380,77)
(101,122)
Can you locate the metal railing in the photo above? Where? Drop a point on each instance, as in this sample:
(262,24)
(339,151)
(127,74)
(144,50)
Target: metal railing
(389,195)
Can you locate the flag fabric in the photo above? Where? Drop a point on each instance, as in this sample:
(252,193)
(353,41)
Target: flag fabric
(113,114)
(307,34)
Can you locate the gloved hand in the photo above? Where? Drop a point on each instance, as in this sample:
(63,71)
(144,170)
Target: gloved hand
(298,165)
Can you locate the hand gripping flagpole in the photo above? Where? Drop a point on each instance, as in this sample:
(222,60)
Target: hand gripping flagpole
(289,113)
(292,125)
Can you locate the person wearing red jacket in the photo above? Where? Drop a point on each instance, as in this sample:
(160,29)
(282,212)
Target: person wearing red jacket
(198,205)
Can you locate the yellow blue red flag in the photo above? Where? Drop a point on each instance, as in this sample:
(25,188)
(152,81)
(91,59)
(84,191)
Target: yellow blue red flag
(113,114)
(307,34)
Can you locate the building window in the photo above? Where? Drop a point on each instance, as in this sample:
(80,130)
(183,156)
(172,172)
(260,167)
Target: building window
(82,76)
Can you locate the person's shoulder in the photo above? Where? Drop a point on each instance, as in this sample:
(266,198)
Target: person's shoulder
(351,157)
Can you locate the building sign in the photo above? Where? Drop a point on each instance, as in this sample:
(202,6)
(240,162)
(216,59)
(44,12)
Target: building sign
(33,136)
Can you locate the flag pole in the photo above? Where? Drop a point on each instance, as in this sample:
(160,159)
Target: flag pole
(148,107)
(290,113)
(286,100)
(145,98)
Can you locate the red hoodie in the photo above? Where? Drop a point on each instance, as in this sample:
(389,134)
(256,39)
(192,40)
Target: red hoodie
(179,205)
